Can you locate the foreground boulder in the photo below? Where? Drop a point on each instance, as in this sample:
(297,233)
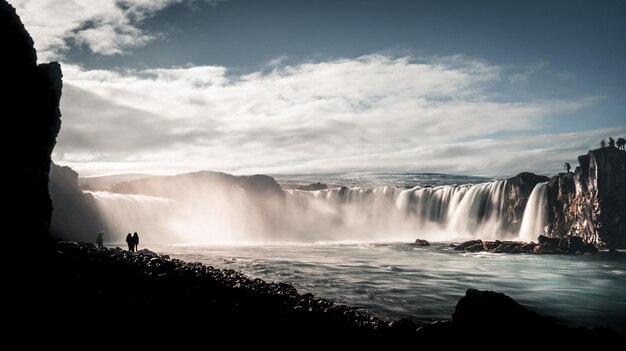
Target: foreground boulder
(503,318)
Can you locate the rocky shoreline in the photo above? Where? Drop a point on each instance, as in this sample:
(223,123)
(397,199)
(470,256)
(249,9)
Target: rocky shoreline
(193,300)
(571,244)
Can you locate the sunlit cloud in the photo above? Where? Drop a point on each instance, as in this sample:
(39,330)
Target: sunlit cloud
(104,27)
(373,112)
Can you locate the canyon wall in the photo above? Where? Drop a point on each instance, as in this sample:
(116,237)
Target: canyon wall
(30,95)
(591,202)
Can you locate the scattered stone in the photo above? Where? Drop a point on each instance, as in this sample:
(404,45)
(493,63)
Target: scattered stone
(465,245)
(421,242)
(569,245)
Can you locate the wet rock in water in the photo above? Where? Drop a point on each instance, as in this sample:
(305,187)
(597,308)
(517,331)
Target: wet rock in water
(467,244)
(421,242)
(528,247)
(508,247)
(475,248)
(545,240)
(491,245)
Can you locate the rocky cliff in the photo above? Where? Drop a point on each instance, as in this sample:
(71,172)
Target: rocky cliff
(30,95)
(75,216)
(591,202)
(516,193)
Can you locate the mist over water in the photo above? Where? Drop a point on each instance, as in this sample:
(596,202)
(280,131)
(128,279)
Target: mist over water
(217,214)
(349,244)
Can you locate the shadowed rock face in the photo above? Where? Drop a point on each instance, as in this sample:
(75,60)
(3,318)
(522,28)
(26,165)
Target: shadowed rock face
(517,192)
(75,215)
(591,202)
(30,95)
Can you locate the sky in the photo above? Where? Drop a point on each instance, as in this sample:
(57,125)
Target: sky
(294,87)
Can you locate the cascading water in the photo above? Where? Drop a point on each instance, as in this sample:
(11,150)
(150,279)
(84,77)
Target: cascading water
(535,216)
(358,213)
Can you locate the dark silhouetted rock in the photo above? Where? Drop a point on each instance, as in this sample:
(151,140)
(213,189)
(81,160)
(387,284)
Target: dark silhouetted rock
(500,315)
(75,215)
(488,310)
(313,187)
(404,324)
(421,242)
(30,96)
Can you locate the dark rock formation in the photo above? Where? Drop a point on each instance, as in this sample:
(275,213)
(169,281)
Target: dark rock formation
(486,310)
(421,242)
(465,245)
(547,245)
(481,311)
(517,191)
(75,215)
(591,202)
(30,96)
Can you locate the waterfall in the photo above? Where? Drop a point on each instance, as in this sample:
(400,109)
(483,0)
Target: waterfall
(535,216)
(358,213)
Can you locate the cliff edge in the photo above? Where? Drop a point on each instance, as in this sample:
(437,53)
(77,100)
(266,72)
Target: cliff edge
(591,202)
(30,95)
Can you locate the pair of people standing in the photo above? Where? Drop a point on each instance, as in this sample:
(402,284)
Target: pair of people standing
(132,241)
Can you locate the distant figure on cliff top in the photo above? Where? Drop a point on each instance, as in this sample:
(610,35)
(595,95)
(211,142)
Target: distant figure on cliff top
(611,142)
(621,143)
(131,242)
(100,239)
(603,144)
(136,241)
(567,167)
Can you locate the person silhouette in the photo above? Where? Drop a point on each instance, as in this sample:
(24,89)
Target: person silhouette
(130,242)
(100,239)
(136,241)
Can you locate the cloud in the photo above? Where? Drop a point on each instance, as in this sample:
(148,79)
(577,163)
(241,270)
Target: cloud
(527,71)
(373,112)
(106,27)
